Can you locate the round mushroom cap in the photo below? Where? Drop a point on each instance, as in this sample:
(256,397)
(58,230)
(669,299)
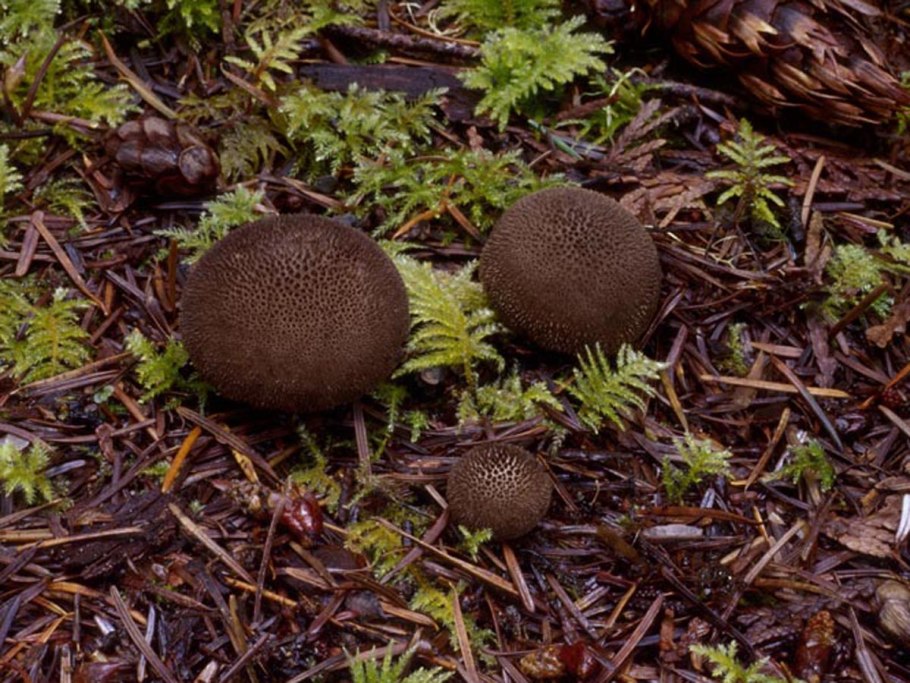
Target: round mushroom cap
(296,313)
(568,267)
(500,487)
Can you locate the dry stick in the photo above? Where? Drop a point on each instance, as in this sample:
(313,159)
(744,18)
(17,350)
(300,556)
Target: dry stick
(464,643)
(39,78)
(37,219)
(223,436)
(138,85)
(196,532)
(177,462)
(810,190)
(360,438)
(626,650)
(785,370)
(763,561)
(27,253)
(517,577)
(571,607)
(822,392)
(477,572)
(858,310)
(244,659)
(266,555)
(138,640)
(769,449)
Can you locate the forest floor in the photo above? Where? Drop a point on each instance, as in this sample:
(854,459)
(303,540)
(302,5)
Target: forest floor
(152,531)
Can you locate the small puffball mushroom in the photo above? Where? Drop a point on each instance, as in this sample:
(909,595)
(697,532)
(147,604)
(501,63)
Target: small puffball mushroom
(568,267)
(296,313)
(500,487)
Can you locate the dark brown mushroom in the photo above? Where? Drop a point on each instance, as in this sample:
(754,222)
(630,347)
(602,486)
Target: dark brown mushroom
(500,487)
(569,267)
(296,313)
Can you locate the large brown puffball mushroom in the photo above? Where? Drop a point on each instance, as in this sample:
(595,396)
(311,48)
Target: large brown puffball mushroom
(500,487)
(296,313)
(568,267)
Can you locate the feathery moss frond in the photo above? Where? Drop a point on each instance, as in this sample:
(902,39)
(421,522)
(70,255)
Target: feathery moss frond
(392,670)
(808,460)
(477,182)
(23,471)
(23,17)
(39,341)
(854,272)
(69,86)
(606,392)
(728,669)
(247,147)
(450,320)
(272,53)
(339,128)
(748,181)
(516,65)
(506,400)
(159,371)
(489,15)
(10,182)
(10,178)
(226,212)
(701,458)
(439,605)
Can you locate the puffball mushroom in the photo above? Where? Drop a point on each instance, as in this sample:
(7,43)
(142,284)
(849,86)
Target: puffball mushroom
(500,487)
(295,313)
(568,267)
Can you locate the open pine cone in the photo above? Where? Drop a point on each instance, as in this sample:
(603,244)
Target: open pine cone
(822,56)
(167,156)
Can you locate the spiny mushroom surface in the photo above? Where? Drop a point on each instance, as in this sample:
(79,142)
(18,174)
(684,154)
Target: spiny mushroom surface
(500,487)
(568,267)
(296,313)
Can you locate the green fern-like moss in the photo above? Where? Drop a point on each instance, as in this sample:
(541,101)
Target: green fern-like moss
(605,392)
(392,670)
(450,320)
(272,52)
(506,400)
(314,476)
(341,128)
(69,86)
(700,458)
(227,211)
(518,64)
(438,605)
(160,371)
(39,341)
(853,272)
(247,147)
(23,472)
(490,15)
(727,668)
(478,183)
(808,461)
(748,181)
(383,546)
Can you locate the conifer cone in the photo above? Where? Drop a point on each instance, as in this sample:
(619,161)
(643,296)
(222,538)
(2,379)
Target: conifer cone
(821,56)
(169,156)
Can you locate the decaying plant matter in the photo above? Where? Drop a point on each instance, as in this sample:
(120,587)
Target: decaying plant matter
(823,57)
(729,498)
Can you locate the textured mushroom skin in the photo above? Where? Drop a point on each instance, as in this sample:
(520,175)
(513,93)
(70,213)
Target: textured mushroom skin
(568,267)
(296,313)
(500,487)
